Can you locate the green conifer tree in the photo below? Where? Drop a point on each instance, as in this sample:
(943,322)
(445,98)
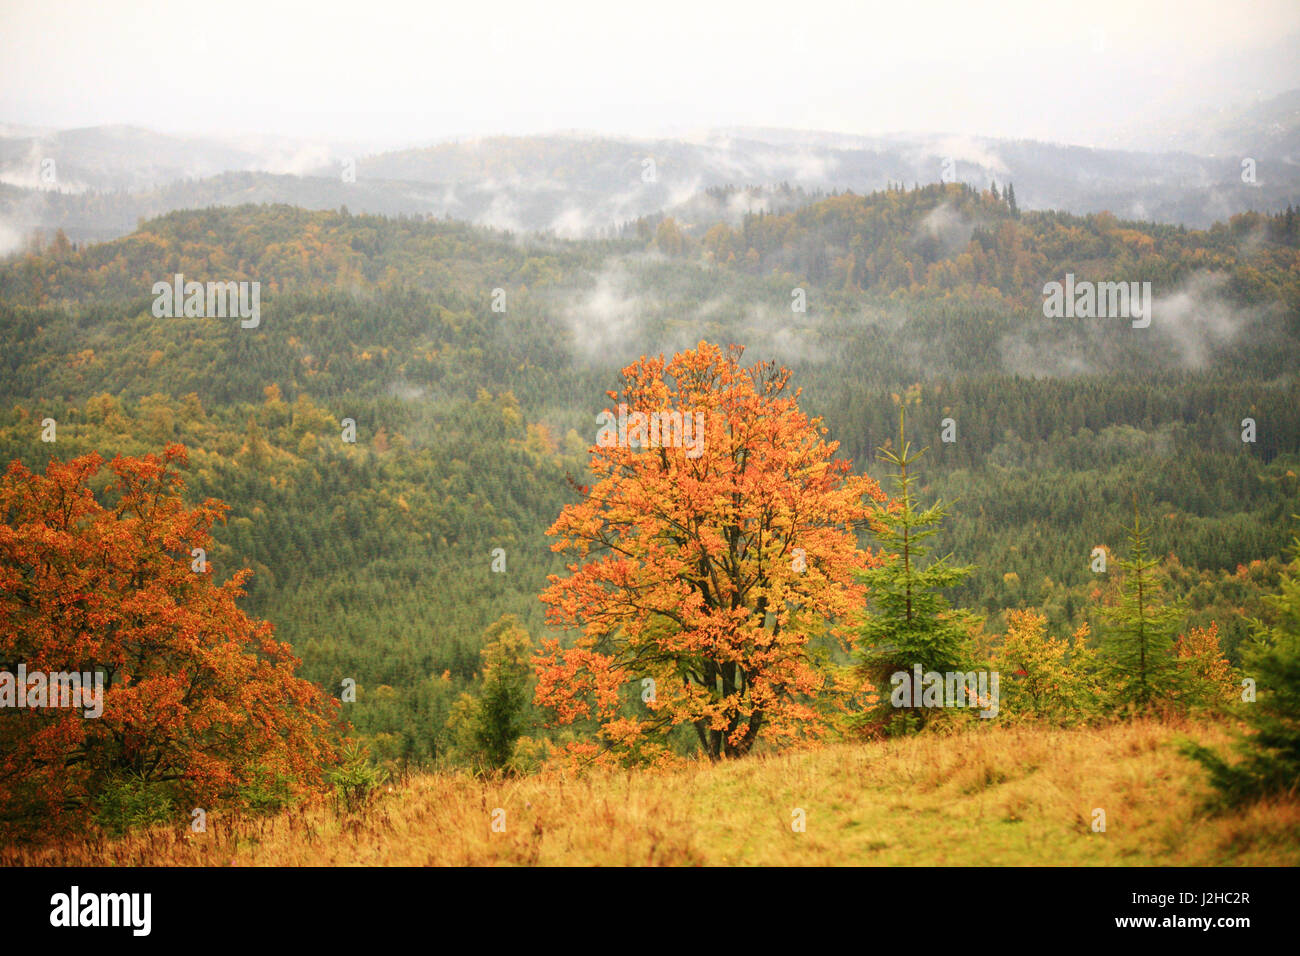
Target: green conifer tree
(1137,658)
(1270,752)
(488,726)
(909,620)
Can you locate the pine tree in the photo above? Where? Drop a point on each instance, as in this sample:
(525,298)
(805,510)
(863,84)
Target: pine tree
(1010,196)
(1270,752)
(909,621)
(1137,656)
(488,726)
(504,699)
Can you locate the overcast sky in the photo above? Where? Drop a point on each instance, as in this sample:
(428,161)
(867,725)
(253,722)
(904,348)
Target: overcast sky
(395,72)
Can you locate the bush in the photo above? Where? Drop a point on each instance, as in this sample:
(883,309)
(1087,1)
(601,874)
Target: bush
(129,800)
(356,779)
(1044,677)
(266,793)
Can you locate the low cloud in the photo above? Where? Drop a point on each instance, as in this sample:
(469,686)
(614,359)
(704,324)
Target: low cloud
(949,226)
(11,239)
(605,320)
(301,161)
(1197,318)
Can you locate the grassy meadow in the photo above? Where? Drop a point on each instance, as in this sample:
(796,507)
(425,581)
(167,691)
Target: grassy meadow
(988,797)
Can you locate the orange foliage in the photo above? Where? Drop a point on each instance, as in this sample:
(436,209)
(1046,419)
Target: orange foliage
(196,694)
(709,573)
(1212,679)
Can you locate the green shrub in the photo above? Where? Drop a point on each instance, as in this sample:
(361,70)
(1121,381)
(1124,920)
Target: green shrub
(129,800)
(356,779)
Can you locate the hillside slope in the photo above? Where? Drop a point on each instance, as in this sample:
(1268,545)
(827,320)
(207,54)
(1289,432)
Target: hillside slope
(373,559)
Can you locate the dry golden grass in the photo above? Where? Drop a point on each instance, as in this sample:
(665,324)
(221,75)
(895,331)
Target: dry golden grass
(990,796)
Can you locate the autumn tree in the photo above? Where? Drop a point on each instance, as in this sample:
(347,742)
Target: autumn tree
(197,697)
(1209,680)
(715,550)
(1044,677)
(909,622)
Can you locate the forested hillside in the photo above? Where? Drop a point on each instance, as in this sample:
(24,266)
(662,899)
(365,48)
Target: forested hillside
(473,365)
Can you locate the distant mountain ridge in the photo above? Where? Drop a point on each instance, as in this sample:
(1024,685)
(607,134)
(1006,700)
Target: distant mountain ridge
(97,183)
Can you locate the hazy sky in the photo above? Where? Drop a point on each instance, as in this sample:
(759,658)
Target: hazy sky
(391,72)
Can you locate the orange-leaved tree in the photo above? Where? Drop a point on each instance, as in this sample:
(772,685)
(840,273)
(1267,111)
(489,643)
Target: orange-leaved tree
(196,697)
(716,565)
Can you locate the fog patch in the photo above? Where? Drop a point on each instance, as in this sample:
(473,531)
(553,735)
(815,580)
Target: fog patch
(25,172)
(407,392)
(963,149)
(1036,358)
(607,318)
(501,213)
(11,239)
(948,225)
(571,223)
(300,160)
(1196,318)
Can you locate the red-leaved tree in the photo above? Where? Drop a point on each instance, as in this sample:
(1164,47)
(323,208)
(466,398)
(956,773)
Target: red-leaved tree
(197,696)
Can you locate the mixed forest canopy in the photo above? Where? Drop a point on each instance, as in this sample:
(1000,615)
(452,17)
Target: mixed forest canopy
(473,365)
